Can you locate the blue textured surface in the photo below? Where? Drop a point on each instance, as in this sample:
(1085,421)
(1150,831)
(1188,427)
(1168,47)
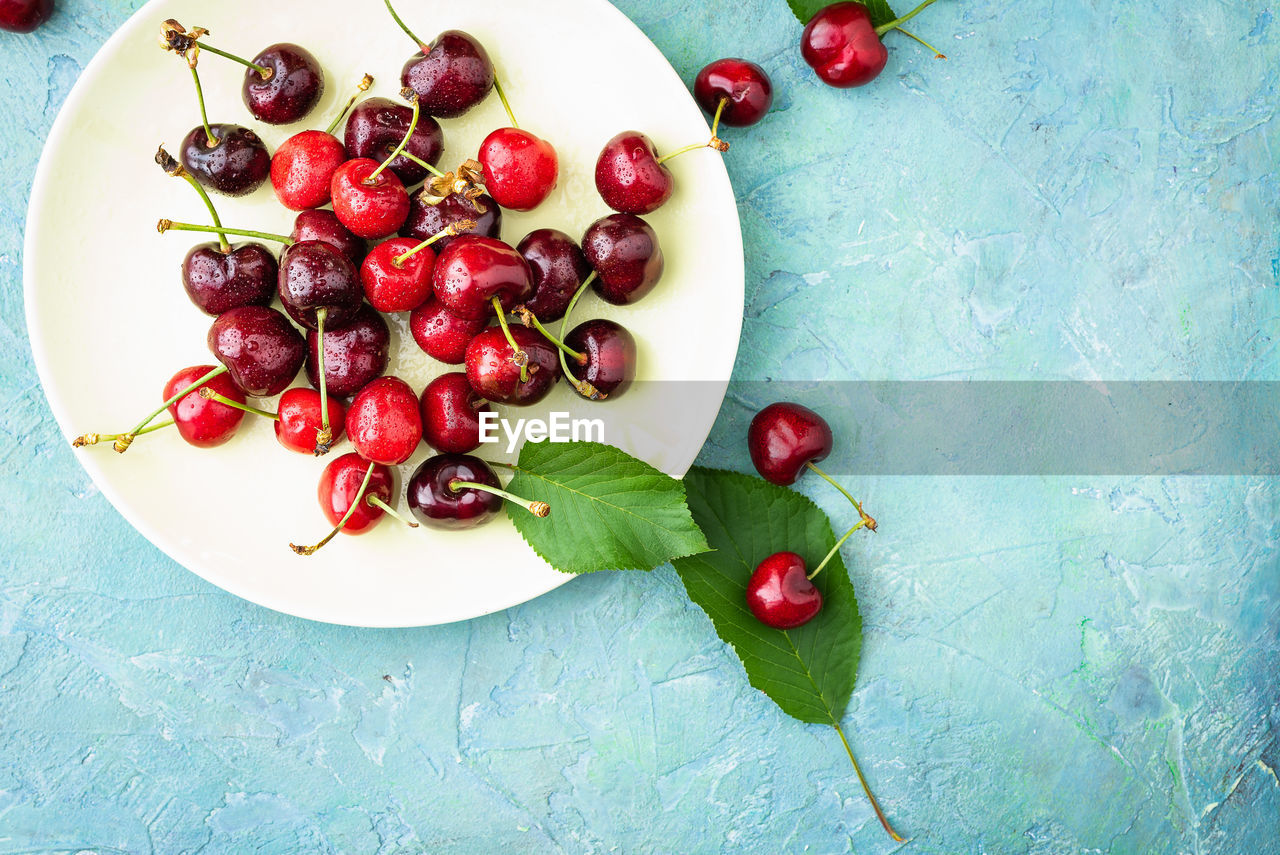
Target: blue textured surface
(1052,665)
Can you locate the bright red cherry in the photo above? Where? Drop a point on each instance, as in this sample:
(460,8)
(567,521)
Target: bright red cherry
(302,169)
(384,422)
(494,375)
(451,414)
(841,44)
(473,270)
(340,486)
(520,169)
(395,281)
(629,176)
(780,594)
(23,16)
(441,334)
(369,200)
(298,420)
(202,422)
(783,438)
(744,87)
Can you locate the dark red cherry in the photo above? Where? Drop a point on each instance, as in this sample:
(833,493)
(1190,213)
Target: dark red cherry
(629,177)
(377,126)
(298,420)
(398,286)
(314,276)
(841,44)
(559,268)
(610,352)
(354,355)
(626,256)
(435,503)
(302,169)
(520,169)
(261,349)
(780,595)
(340,484)
(370,207)
(472,270)
(293,86)
(322,225)
(442,335)
(492,373)
(783,437)
(451,414)
(745,85)
(202,422)
(23,16)
(451,75)
(217,281)
(384,422)
(238,163)
(428,216)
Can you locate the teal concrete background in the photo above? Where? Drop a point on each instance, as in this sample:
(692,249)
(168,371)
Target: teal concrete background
(1082,191)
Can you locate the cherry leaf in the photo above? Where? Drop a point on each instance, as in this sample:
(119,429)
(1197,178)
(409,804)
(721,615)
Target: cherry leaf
(806,9)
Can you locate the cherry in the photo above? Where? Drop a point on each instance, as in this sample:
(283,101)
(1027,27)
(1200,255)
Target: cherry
(297,419)
(608,359)
(354,355)
(23,16)
(303,166)
(323,225)
(377,125)
(384,422)
(494,371)
(841,44)
(742,86)
(442,335)
(369,200)
(520,169)
(227,158)
(626,256)
(201,422)
(451,414)
(285,85)
(559,268)
(319,285)
(451,75)
(472,272)
(259,347)
(430,215)
(353,495)
(458,491)
(780,594)
(629,175)
(397,274)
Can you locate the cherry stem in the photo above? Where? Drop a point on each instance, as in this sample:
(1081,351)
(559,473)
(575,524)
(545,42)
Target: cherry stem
(583,388)
(95,438)
(175,169)
(324,436)
(408,155)
(839,543)
(937,53)
(209,395)
(448,231)
(411,97)
(408,32)
(897,22)
(364,485)
(376,502)
(714,143)
(362,86)
(502,96)
(715,123)
(204,115)
(875,805)
(518,356)
(263,72)
(169,225)
(538,509)
(529,319)
(869,520)
(124,440)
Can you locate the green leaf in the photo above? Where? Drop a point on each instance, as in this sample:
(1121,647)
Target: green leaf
(805,9)
(609,510)
(808,671)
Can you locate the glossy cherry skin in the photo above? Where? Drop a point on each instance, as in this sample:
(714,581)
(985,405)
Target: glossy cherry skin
(203,422)
(302,169)
(370,210)
(494,376)
(520,169)
(392,287)
(559,269)
(315,275)
(236,165)
(340,483)
(218,281)
(323,225)
(746,86)
(261,349)
(434,503)
(299,419)
(354,355)
(783,437)
(611,356)
(442,335)
(451,75)
(290,92)
(626,256)
(629,177)
(427,219)
(384,422)
(780,595)
(23,16)
(376,127)
(840,44)
(451,414)
(473,270)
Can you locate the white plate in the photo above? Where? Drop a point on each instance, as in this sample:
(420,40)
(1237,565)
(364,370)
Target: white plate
(110,322)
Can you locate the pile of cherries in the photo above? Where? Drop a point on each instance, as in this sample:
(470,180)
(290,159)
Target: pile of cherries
(473,300)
